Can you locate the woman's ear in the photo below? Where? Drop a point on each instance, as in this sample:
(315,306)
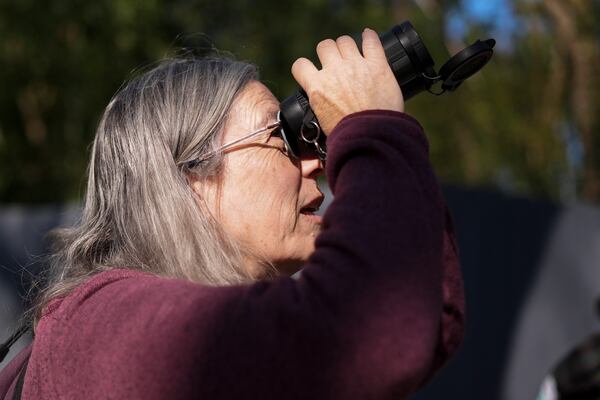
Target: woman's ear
(207,191)
(195,184)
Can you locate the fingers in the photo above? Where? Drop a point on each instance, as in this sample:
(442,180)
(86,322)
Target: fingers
(328,52)
(371,45)
(331,52)
(303,70)
(347,47)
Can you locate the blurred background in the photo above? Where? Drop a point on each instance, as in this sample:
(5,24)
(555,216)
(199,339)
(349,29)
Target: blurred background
(516,146)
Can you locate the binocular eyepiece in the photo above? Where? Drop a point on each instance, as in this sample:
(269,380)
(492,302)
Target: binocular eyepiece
(413,68)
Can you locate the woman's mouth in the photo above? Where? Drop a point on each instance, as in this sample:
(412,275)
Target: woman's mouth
(309,213)
(311,208)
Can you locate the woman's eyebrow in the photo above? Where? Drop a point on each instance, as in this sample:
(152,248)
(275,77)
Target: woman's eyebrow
(268,118)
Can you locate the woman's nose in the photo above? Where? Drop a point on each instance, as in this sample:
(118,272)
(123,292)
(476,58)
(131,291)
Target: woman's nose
(311,167)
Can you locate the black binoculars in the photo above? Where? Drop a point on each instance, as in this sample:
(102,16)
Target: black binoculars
(413,68)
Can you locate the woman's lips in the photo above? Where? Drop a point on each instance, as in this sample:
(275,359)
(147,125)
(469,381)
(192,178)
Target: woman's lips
(311,216)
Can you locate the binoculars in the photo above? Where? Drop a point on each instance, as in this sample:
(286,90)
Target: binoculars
(414,70)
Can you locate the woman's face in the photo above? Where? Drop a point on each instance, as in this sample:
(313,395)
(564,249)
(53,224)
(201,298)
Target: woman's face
(265,198)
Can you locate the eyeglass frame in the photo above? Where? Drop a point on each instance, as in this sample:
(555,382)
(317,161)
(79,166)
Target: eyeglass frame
(194,163)
(320,152)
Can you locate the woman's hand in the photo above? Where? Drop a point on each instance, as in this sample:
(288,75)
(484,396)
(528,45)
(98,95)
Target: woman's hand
(348,82)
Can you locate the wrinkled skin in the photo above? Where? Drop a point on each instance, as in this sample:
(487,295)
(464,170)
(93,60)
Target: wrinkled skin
(262,196)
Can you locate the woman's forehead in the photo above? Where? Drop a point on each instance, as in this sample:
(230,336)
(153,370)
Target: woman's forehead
(259,105)
(254,108)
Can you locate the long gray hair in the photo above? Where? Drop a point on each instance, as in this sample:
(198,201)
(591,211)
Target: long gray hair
(139,210)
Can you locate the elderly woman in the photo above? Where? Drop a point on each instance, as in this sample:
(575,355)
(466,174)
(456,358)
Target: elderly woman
(176,281)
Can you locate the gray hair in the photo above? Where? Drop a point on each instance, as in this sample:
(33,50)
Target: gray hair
(139,210)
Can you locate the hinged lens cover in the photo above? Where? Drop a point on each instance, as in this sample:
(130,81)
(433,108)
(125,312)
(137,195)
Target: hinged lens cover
(466,63)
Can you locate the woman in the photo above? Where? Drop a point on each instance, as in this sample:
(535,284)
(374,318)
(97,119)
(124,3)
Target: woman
(175,282)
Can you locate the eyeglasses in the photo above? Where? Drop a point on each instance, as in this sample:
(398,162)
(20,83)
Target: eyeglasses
(212,153)
(293,145)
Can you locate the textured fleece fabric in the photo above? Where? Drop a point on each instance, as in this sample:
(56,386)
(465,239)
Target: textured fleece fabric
(376,311)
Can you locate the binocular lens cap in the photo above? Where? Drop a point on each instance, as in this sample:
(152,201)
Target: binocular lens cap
(466,63)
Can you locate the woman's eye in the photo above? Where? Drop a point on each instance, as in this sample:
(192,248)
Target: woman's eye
(276,133)
(278,144)
(276,140)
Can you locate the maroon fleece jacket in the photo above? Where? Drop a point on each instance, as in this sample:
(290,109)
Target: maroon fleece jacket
(377,309)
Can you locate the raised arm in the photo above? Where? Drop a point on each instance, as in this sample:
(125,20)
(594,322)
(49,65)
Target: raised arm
(365,319)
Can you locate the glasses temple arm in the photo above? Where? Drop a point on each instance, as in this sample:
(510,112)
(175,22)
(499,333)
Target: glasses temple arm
(234,142)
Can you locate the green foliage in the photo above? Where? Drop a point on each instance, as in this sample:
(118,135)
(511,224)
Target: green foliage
(61,61)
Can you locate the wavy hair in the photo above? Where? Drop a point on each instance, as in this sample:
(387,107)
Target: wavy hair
(139,211)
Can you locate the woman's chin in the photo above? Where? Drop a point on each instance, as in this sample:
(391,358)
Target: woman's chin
(294,263)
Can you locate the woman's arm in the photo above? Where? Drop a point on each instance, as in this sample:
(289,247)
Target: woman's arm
(366,318)
(377,309)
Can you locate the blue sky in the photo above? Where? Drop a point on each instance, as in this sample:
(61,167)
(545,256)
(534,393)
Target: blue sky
(497,13)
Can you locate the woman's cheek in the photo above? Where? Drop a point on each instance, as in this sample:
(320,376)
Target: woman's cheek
(283,213)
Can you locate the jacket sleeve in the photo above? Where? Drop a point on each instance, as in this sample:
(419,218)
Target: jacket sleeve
(377,309)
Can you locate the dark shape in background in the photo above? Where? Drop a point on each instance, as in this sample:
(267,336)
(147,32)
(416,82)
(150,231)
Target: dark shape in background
(502,240)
